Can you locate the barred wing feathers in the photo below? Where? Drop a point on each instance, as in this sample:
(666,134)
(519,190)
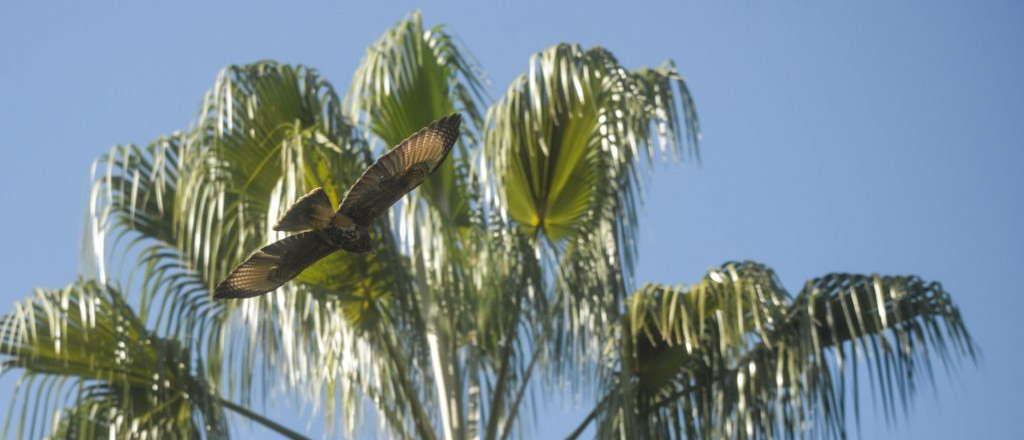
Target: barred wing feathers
(400,170)
(274,265)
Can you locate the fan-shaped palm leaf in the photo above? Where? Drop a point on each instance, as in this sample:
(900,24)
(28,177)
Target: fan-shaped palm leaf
(410,77)
(83,345)
(133,206)
(267,133)
(735,357)
(564,143)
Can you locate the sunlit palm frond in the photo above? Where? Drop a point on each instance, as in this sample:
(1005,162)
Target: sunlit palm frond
(577,122)
(198,203)
(83,346)
(563,144)
(132,223)
(75,423)
(735,357)
(410,77)
(268,134)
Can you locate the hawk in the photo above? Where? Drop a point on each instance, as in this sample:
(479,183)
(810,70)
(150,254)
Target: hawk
(322,231)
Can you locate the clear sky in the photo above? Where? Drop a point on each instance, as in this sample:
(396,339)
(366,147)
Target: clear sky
(870,136)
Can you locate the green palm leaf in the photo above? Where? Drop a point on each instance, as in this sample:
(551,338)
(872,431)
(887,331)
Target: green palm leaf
(735,357)
(267,134)
(84,346)
(192,206)
(270,133)
(578,118)
(564,145)
(133,206)
(409,78)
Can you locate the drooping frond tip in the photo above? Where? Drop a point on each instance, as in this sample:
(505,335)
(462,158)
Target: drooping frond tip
(734,357)
(90,361)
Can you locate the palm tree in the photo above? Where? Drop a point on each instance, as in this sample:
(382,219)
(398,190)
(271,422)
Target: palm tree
(508,273)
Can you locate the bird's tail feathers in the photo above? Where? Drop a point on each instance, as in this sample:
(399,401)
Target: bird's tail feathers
(311,212)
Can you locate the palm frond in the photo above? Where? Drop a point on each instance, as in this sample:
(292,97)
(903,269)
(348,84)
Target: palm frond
(410,77)
(735,357)
(563,146)
(269,134)
(133,206)
(83,346)
(190,207)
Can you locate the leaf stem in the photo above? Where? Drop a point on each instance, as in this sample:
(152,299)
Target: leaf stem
(590,417)
(514,409)
(261,420)
(419,413)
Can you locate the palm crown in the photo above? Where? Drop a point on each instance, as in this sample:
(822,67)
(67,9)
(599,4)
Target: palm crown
(513,261)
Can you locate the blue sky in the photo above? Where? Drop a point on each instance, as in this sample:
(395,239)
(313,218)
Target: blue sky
(872,136)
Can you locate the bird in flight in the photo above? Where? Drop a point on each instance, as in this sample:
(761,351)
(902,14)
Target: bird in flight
(322,231)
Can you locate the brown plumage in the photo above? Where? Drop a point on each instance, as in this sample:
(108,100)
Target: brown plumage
(389,178)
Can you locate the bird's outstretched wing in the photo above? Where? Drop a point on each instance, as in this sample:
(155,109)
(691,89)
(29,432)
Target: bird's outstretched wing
(400,170)
(273,265)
